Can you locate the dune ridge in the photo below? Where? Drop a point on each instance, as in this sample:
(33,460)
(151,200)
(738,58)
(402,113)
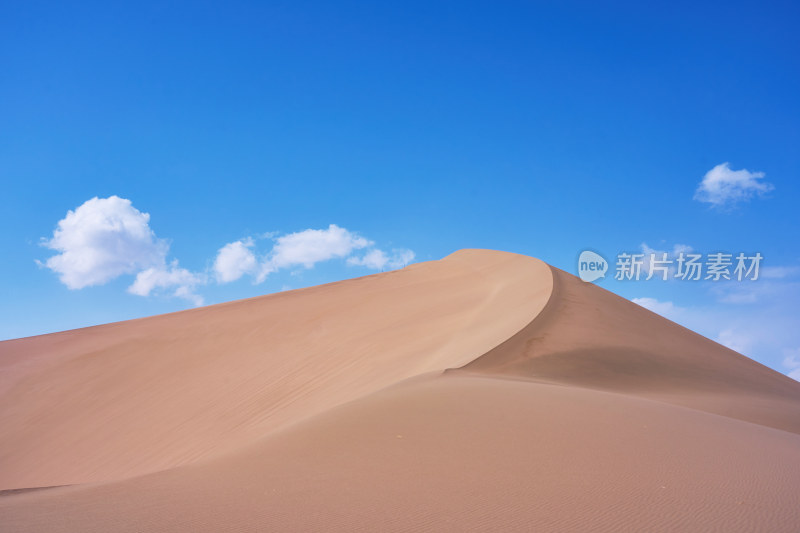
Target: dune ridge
(590,337)
(134,397)
(483,391)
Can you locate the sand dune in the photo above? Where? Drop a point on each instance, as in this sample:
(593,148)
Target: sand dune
(484,391)
(589,337)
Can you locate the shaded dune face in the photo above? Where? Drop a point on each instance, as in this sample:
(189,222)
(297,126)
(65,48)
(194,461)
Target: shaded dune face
(589,337)
(484,391)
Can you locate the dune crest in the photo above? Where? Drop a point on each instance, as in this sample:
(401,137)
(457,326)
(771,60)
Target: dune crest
(484,391)
(125,399)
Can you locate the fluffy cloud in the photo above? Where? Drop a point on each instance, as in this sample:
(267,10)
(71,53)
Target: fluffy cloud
(105,238)
(309,247)
(101,240)
(378,259)
(171,280)
(314,245)
(723,187)
(234,260)
(303,248)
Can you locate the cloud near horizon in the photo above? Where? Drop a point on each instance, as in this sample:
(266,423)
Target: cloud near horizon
(106,238)
(762,328)
(308,247)
(103,239)
(379,260)
(723,188)
(174,280)
(234,260)
(664,308)
(792,363)
(304,249)
(651,266)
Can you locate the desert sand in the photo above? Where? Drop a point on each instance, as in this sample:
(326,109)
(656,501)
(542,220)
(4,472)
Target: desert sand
(486,391)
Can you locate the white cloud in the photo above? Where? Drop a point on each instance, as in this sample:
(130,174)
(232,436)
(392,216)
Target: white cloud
(378,259)
(171,279)
(750,292)
(712,322)
(105,238)
(737,294)
(309,247)
(234,260)
(765,330)
(748,333)
(303,249)
(792,359)
(652,257)
(723,187)
(314,245)
(792,363)
(101,240)
(736,340)
(666,309)
(779,272)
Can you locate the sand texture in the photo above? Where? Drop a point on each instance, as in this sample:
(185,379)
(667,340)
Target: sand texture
(486,391)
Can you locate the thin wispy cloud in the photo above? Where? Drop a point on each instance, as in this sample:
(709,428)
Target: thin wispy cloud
(778,281)
(751,293)
(756,319)
(736,340)
(723,187)
(664,308)
(379,260)
(715,325)
(780,272)
(791,362)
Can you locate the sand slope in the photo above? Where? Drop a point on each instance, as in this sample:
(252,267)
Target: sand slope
(124,399)
(485,391)
(589,337)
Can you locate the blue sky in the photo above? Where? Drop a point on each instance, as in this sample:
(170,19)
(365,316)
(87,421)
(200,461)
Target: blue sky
(538,128)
